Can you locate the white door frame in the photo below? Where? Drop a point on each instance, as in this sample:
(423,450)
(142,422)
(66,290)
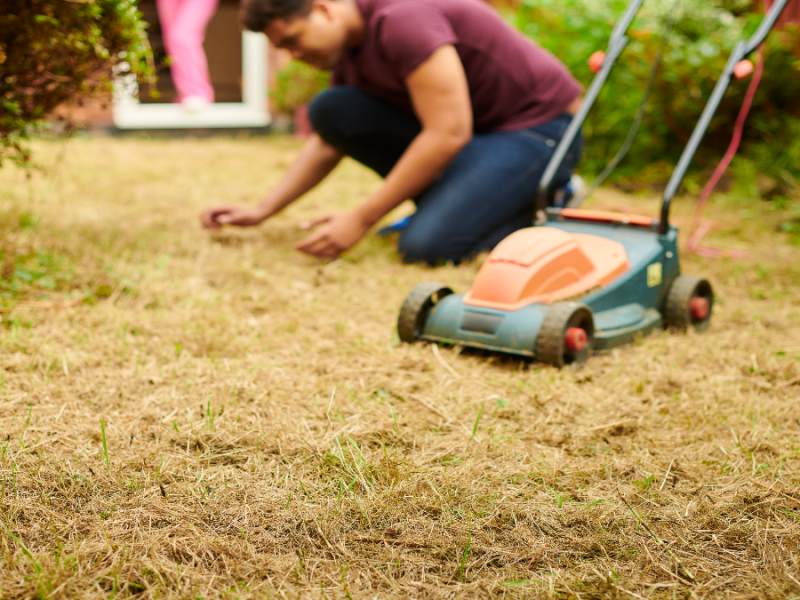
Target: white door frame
(129,113)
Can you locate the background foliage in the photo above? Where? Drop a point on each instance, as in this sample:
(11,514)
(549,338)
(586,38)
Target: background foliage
(53,51)
(297,83)
(703,37)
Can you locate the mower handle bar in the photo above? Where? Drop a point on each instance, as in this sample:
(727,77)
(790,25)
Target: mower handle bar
(616,43)
(624,22)
(576,123)
(740,52)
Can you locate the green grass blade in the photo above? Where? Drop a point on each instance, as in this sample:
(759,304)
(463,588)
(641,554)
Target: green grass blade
(477,421)
(465,553)
(105,445)
(37,565)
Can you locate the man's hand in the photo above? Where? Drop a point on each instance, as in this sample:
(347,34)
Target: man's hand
(314,162)
(340,232)
(215,218)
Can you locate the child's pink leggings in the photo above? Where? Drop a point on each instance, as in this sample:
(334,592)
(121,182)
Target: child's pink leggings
(183,24)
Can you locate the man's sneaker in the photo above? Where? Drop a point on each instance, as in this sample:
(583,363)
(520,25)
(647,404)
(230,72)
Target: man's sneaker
(395,227)
(572,191)
(194,104)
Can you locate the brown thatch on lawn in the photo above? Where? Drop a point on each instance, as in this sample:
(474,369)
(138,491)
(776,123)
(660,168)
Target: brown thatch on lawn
(189,415)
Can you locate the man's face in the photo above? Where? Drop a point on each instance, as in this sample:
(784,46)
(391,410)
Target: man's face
(318,39)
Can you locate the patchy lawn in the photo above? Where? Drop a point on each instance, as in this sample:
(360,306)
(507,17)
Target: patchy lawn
(188,415)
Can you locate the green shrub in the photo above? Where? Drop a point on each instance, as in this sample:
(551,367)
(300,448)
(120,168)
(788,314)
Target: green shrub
(297,84)
(703,37)
(51,52)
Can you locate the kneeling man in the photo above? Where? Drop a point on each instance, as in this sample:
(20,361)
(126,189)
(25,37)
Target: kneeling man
(442,98)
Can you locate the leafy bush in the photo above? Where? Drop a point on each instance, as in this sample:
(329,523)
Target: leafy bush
(297,84)
(54,51)
(703,37)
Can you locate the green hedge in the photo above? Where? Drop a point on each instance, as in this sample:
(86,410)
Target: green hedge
(51,52)
(296,84)
(703,37)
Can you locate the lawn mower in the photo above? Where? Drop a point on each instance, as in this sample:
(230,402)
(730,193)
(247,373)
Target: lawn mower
(583,280)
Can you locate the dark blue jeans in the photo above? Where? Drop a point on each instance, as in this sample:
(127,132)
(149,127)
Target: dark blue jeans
(486,193)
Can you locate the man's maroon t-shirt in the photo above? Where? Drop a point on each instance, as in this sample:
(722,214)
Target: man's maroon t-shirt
(513,83)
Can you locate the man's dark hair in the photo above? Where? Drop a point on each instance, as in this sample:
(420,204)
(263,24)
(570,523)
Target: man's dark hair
(256,15)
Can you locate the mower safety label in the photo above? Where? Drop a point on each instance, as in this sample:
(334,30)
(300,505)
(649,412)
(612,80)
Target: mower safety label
(654,274)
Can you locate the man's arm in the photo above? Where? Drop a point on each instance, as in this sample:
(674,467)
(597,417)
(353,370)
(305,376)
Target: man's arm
(315,161)
(440,95)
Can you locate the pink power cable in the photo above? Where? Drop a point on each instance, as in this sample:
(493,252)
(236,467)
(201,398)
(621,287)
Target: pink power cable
(700,227)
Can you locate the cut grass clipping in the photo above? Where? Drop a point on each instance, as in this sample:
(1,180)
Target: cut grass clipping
(271,438)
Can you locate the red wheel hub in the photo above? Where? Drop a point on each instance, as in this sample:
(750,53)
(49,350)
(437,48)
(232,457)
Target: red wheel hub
(699,308)
(575,339)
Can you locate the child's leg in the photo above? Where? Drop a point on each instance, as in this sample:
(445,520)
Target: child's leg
(486,193)
(184,42)
(166,16)
(363,127)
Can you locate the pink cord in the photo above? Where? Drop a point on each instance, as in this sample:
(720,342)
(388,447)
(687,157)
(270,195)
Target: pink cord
(699,227)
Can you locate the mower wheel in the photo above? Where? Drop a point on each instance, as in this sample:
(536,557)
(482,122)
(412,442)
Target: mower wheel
(416,307)
(566,335)
(689,303)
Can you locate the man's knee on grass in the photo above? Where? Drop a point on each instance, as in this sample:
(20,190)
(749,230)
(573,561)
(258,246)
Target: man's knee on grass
(415,246)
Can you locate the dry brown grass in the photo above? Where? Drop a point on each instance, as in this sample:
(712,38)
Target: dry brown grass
(267,436)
